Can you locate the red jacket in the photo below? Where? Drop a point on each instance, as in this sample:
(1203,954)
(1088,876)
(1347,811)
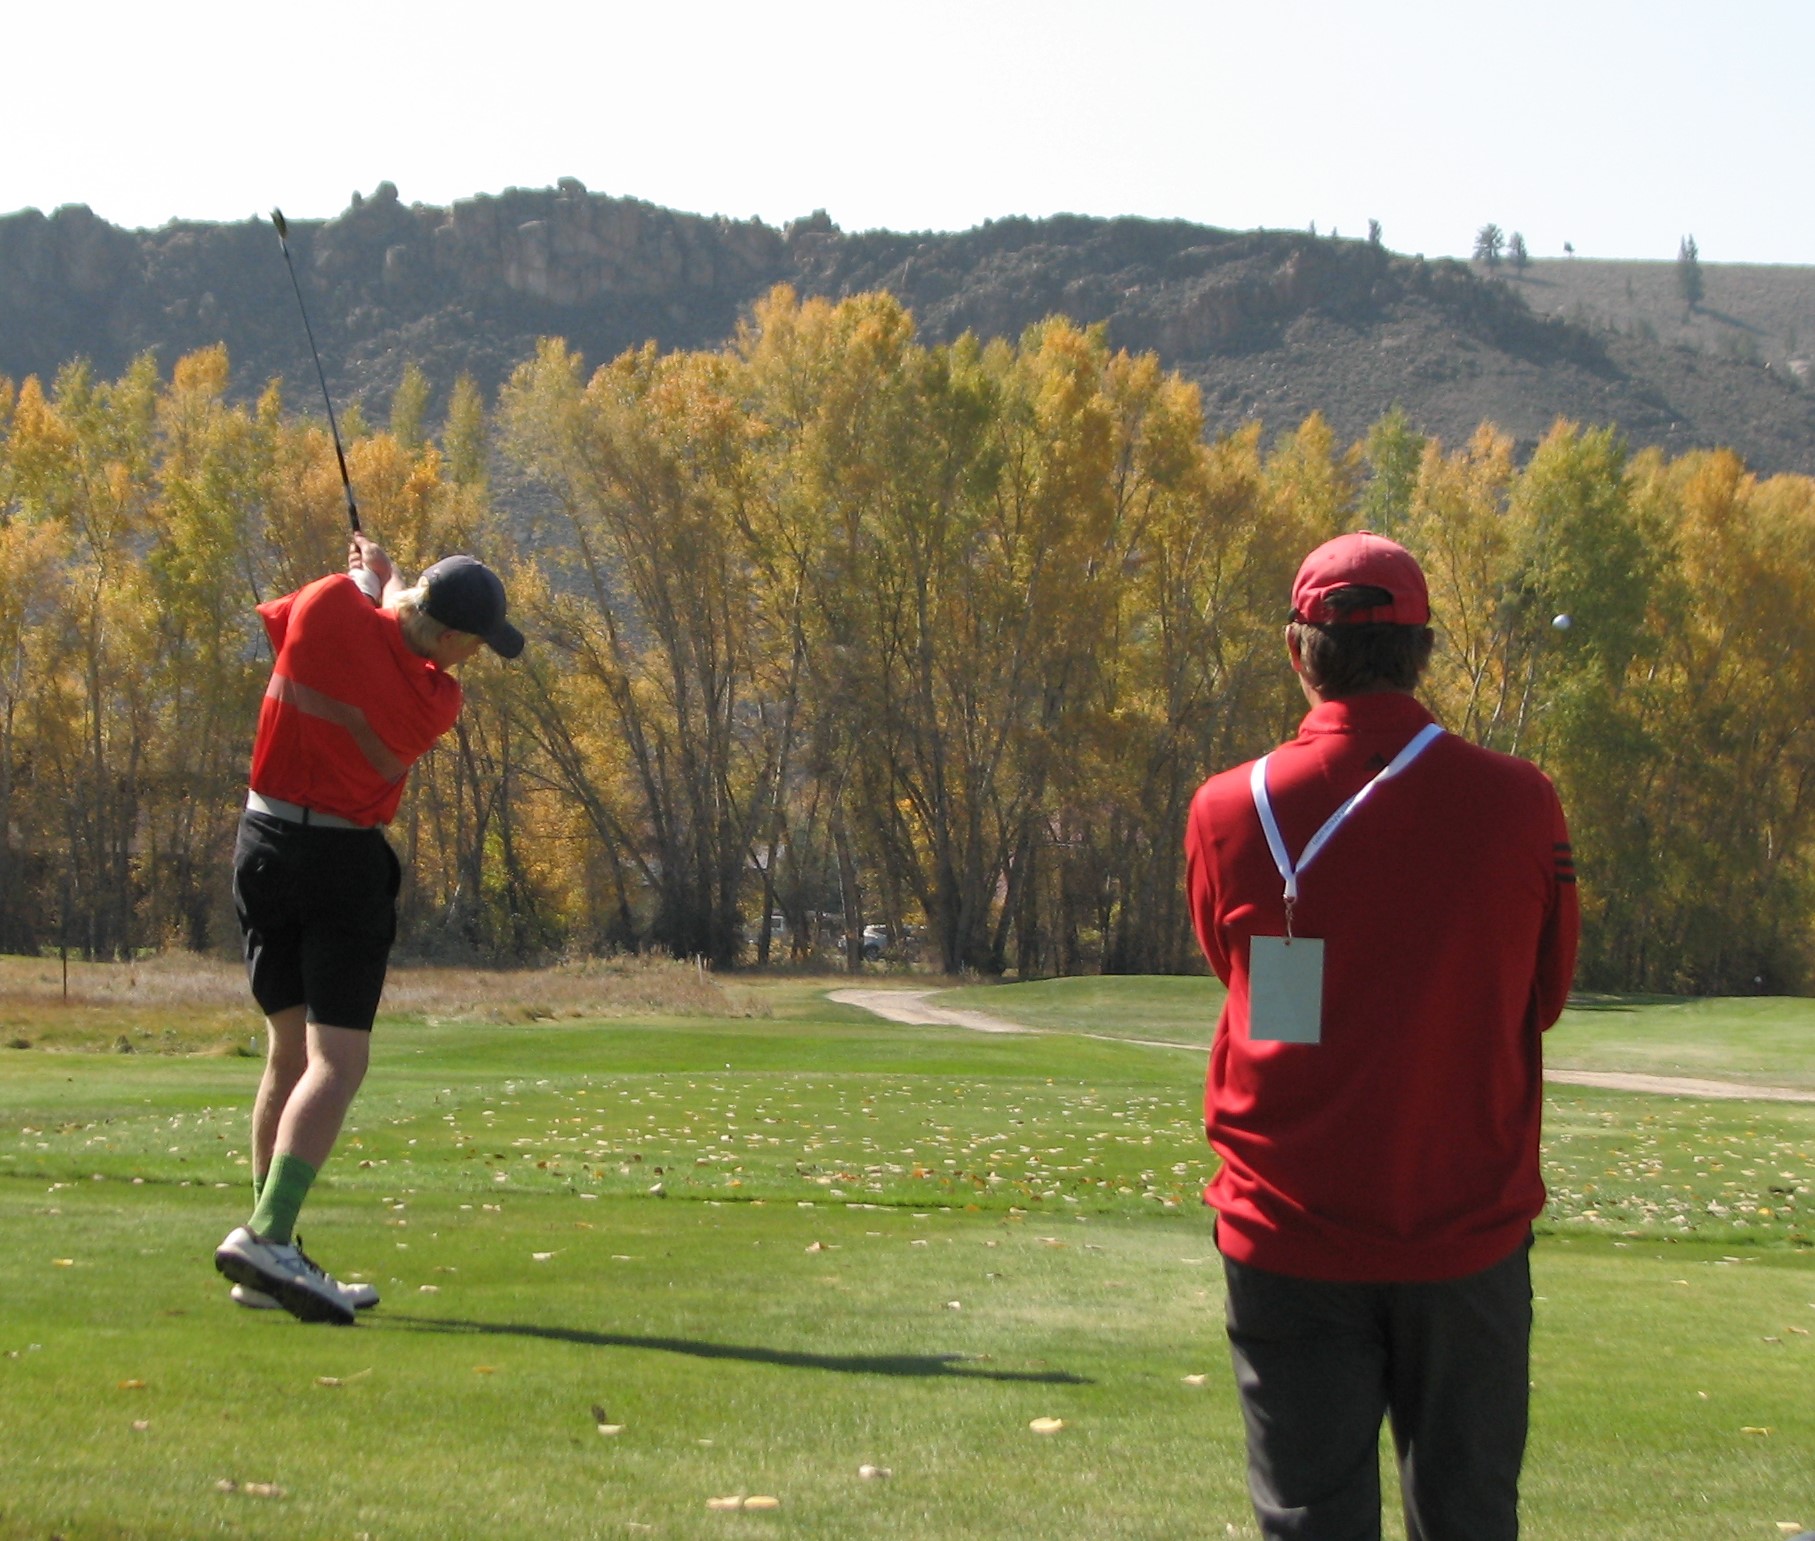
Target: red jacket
(349,708)
(1404,1145)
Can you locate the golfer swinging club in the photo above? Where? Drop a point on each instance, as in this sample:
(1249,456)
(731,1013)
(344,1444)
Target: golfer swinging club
(361,689)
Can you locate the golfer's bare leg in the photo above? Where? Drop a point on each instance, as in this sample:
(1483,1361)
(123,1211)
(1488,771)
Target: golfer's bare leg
(286,1058)
(317,1106)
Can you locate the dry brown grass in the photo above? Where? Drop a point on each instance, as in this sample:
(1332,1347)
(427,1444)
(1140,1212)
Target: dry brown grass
(185,1003)
(1755,312)
(604,987)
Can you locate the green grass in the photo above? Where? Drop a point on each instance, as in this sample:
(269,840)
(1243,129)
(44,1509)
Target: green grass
(1766,1041)
(1616,1163)
(871,1244)
(1162,1008)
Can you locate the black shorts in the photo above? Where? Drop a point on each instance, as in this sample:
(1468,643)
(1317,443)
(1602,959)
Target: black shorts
(317,916)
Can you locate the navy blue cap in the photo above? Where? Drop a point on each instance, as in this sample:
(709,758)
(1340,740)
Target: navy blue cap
(468,596)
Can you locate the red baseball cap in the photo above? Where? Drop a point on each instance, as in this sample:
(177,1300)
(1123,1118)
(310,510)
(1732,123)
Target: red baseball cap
(1361,560)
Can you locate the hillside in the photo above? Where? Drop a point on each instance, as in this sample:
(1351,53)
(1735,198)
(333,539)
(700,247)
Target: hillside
(1760,314)
(1271,325)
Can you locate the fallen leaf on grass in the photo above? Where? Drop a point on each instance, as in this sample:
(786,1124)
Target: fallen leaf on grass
(1047,1425)
(249,1489)
(874,1473)
(132,1385)
(63,1262)
(735,1501)
(485,1369)
(428,1289)
(1751,1429)
(1195,1380)
(140,1425)
(541,1257)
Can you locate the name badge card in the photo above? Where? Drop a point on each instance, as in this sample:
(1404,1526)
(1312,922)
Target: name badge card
(1285,989)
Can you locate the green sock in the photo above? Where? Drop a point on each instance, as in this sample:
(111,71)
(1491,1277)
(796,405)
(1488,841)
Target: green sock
(281,1200)
(258,1188)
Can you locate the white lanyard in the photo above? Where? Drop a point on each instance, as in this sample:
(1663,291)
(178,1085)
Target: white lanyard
(1257,784)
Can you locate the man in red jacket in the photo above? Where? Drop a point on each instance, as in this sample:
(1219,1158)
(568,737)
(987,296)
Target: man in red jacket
(360,690)
(1394,912)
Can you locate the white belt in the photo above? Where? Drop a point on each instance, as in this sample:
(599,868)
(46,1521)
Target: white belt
(295,813)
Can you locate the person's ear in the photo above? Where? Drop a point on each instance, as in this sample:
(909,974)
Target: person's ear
(1294,651)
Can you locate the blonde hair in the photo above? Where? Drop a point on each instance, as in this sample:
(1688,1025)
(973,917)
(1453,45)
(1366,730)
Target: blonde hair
(421,631)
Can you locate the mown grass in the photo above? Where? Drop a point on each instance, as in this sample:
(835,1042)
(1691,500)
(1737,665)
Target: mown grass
(778,1246)
(1163,1008)
(1763,1040)
(1767,1040)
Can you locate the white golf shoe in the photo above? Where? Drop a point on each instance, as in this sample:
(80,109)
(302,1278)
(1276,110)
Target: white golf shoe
(253,1300)
(285,1273)
(361,1297)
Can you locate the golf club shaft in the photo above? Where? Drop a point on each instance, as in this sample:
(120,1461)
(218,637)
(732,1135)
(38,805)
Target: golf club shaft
(277,219)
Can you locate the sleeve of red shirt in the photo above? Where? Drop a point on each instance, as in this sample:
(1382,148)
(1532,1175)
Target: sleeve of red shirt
(1562,932)
(1200,891)
(275,613)
(440,715)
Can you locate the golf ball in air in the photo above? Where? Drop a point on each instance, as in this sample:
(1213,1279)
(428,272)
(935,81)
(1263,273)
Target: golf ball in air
(1562,623)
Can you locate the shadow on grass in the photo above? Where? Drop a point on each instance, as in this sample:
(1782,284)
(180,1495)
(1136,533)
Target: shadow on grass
(956,1366)
(1581,1000)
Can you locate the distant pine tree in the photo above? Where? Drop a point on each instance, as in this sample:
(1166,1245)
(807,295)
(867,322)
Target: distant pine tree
(1490,243)
(1689,272)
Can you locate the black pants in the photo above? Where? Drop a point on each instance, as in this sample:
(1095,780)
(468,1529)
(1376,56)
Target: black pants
(1320,1365)
(317,913)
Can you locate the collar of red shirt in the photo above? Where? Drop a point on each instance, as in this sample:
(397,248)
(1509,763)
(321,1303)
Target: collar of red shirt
(1383,711)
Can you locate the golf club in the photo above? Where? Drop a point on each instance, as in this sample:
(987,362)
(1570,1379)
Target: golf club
(283,240)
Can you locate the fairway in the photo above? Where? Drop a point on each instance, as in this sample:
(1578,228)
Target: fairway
(776,1248)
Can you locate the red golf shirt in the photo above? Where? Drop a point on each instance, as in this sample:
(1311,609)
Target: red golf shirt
(1404,1145)
(349,708)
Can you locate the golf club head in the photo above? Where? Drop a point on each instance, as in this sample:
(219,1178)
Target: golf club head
(283,230)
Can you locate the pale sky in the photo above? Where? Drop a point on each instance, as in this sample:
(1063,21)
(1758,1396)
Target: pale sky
(1616,125)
